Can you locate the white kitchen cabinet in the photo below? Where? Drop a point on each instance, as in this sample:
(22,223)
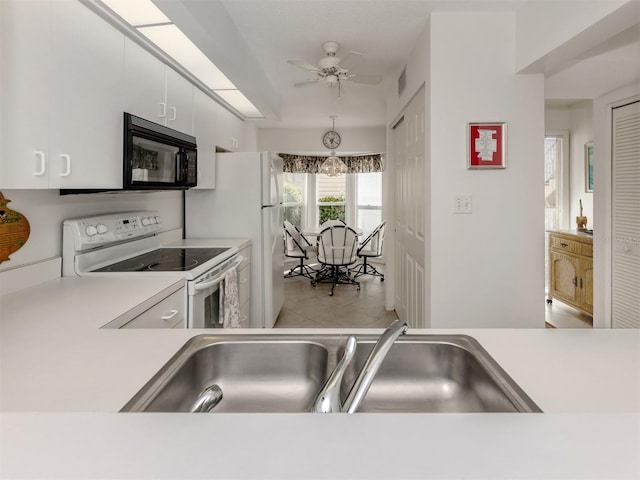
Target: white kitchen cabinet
(204,129)
(62,82)
(168,313)
(229,130)
(156,92)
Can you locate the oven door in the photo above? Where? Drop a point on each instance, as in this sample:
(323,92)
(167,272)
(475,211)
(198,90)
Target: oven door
(205,296)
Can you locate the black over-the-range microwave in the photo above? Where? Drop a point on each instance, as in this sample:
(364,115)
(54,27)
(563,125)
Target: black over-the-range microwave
(155,158)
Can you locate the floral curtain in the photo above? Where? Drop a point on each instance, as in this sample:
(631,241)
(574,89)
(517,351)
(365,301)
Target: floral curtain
(311,163)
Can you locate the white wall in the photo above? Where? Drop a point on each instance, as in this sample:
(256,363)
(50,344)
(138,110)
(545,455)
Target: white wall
(417,72)
(581,133)
(46,210)
(487,268)
(543,27)
(309,140)
(577,119)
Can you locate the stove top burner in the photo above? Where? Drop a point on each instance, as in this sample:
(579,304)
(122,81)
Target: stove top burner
(165,260)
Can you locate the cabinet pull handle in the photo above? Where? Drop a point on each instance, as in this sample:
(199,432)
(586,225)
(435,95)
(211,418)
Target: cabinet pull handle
(67,160)
(163,109)
(43,163)
(580,283)
(174,114)
(171,314)
(575,281)
(562,244)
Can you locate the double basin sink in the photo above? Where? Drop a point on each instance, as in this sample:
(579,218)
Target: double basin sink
(284,373)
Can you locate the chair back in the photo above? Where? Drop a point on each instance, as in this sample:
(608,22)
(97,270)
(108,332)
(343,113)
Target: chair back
(372,245)
(337,245)
(294,241)
(330,223)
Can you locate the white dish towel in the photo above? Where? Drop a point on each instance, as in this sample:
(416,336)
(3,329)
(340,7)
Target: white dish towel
(231,304)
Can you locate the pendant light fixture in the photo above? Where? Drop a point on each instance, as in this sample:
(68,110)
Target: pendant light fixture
(332,166)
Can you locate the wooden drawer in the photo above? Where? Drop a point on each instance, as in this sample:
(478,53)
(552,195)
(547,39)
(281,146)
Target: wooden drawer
(567,244)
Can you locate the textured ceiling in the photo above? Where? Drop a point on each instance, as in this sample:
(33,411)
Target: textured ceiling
(384,32)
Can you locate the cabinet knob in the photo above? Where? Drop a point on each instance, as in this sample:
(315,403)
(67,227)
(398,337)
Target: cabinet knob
(564,244)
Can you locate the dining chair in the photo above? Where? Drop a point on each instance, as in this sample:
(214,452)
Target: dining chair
(371,247)
(337,249)
(329,223)
(297,246)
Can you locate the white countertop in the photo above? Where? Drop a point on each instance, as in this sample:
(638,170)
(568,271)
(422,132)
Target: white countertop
(64,379)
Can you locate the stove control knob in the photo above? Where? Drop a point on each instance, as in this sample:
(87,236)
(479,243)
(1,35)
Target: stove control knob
(158,220)
(91,230)
(145,221)
(102,228)
(152,220)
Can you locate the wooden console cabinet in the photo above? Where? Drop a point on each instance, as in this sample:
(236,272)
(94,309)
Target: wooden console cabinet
(571,269)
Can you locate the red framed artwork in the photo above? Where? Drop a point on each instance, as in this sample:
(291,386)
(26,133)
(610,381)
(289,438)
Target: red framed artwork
(487,145)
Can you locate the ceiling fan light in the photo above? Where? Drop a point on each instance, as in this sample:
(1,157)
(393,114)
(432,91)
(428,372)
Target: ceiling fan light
(332,80)
(333,166)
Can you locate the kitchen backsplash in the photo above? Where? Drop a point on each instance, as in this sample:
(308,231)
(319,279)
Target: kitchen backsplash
(46,210)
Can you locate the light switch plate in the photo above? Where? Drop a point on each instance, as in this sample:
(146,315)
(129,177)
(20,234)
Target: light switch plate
(463,203)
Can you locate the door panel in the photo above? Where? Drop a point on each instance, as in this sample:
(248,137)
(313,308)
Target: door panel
(410,227)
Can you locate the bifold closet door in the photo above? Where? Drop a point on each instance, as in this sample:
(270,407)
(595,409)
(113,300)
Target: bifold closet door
(625,272)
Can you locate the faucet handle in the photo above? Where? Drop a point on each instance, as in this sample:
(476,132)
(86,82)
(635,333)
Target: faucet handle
(328,398)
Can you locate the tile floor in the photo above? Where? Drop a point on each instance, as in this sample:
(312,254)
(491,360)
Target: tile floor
(306,306)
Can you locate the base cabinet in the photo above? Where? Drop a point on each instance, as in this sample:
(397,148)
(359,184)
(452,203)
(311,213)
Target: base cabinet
(571,270)
(168,313)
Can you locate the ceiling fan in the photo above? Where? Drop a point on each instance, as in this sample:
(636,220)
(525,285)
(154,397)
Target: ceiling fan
(334,70)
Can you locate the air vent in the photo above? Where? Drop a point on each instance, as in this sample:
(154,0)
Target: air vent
(402,81)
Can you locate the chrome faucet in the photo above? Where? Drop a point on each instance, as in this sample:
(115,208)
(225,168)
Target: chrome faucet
(328,399)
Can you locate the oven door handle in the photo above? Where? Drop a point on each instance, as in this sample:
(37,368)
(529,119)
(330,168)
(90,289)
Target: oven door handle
(210,283)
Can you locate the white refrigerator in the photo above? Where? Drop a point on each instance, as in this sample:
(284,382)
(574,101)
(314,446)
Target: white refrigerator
(247,203)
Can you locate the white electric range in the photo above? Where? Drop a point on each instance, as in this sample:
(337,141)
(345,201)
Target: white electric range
(129,243)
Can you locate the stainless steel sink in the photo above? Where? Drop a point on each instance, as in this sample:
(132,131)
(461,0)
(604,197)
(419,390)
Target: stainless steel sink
(437,374)
(255,376)
(282,373)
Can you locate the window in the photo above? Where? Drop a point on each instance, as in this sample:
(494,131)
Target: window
(312,199)
(295,194)
(369,201)
(331,198)
(556,187)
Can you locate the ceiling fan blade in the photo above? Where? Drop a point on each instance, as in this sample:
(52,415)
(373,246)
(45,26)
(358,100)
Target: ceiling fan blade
(351,60)
(306,82)
(366,79)
(304,65)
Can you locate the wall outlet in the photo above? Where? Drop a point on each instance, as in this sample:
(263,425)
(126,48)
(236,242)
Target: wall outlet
(463,203)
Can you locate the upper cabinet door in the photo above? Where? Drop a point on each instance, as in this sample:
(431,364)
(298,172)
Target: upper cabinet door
(204,129)
(179,102)
(85,115)
(229,130)
(26,57)
(144,84)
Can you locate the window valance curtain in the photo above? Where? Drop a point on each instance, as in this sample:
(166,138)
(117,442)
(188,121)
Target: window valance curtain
(311,163)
